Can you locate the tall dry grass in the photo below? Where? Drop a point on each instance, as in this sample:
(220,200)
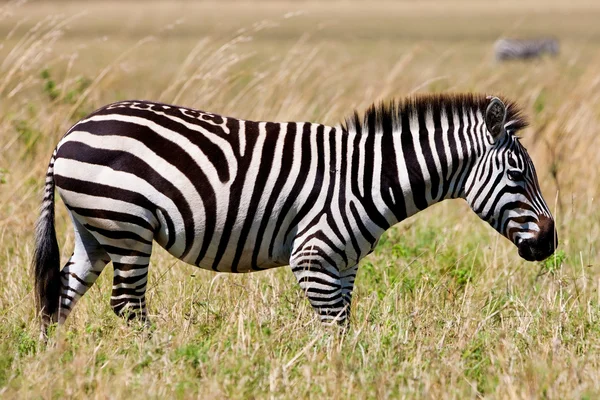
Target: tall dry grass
(443,308)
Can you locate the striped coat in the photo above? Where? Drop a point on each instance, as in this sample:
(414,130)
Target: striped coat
(231,195)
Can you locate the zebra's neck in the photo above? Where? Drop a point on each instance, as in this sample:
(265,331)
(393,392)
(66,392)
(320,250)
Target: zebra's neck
(412,160)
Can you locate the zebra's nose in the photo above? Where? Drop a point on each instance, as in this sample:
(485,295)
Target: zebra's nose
(541,246)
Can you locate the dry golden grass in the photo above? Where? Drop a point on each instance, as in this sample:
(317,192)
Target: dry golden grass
(444,308)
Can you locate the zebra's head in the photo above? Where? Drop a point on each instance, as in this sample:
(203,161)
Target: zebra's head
(503,189)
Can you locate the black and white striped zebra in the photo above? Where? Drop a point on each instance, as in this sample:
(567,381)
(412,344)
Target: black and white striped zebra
(230,195)
(524,49)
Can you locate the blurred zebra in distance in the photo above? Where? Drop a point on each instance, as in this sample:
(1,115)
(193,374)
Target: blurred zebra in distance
(506,49)
(230,195)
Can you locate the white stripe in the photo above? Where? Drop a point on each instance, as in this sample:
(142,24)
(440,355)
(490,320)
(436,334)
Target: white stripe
(434,152)
(409,200)
(242,136)
(445,134)
(361,164)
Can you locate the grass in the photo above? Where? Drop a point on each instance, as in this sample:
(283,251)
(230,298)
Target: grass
(444,307)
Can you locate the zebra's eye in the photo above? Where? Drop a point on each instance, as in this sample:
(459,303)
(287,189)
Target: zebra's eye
(515,175)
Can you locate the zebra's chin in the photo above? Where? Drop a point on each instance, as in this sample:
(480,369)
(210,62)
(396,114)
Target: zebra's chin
(531,253)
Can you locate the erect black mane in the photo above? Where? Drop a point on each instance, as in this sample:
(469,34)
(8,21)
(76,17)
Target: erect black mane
(388,113)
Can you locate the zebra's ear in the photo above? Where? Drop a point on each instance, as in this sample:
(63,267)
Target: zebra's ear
(495,115)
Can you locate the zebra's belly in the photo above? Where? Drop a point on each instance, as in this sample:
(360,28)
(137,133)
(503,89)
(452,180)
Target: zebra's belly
(249,245)
(228,263)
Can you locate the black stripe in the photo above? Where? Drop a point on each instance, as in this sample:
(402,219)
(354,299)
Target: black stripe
(81,281)
(136,291)
(453,145)
(317,280)
(234,134)
(440,150)
(130,267)
(333,290)
(314,267)
(113,216)
(117,234)
(124,252)
(426,152)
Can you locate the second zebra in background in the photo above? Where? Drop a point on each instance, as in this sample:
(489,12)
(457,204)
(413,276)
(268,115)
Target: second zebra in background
(507,49)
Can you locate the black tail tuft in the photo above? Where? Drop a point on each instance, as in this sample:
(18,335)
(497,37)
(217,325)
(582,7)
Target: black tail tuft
(46,259)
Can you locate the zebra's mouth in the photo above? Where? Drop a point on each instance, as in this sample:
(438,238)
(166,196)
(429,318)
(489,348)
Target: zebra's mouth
(542,246)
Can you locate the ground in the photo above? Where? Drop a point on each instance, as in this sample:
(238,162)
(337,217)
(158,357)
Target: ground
(444,307)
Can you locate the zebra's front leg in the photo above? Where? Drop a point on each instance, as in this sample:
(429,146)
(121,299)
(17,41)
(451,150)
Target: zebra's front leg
(321,282)
(347,277)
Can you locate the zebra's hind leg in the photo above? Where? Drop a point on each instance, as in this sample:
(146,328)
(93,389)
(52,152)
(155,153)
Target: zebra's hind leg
(128,243)
(321,282)
(79,273)
(128,298)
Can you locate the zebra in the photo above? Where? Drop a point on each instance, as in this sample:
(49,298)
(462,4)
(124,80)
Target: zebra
(524,49)
(231,195)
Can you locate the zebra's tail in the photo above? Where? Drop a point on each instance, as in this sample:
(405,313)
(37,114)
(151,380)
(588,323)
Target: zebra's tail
(46,259)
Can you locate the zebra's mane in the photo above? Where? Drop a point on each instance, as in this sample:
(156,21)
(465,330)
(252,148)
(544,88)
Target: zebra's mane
(388,114)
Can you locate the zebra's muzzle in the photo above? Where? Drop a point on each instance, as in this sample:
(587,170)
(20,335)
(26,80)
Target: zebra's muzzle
(543,245)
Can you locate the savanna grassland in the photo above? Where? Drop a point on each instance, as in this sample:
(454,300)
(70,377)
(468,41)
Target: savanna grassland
(444,308)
